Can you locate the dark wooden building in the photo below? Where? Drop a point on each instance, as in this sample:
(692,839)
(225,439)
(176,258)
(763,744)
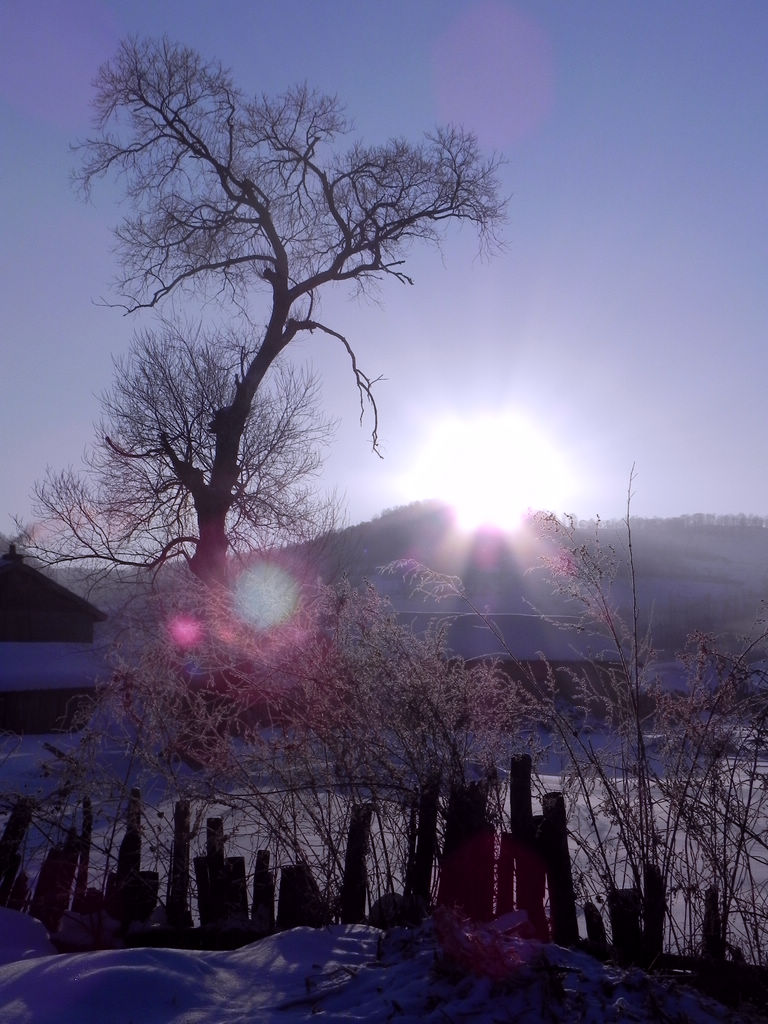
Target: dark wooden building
(36,609)
(48,660)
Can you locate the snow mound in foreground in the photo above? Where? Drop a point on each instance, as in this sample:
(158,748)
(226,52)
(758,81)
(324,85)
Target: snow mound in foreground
(344,973)
(22,937)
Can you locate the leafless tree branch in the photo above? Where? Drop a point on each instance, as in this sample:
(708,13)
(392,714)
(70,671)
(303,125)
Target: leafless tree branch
(256,199)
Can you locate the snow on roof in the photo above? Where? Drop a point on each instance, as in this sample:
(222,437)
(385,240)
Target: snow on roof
(52,666)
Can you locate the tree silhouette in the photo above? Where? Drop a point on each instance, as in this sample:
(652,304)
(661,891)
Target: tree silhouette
(137,500)
(255,201)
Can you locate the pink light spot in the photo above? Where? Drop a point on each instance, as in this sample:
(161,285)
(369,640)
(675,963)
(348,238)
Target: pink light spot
(185,631)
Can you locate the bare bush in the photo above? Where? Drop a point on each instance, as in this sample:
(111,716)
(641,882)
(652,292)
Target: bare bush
(284,730)
(666,786)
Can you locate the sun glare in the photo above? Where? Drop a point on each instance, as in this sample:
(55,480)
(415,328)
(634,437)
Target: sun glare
(493,469)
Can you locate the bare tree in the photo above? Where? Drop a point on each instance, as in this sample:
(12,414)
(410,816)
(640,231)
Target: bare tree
(146,480)
(252,199)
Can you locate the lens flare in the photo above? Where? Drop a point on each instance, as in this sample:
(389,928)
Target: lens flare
(185,631)
(266,595)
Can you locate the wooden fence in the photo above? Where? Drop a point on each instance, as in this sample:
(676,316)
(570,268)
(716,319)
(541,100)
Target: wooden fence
(482,873)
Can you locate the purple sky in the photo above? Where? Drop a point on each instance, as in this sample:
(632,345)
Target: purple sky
(625,323)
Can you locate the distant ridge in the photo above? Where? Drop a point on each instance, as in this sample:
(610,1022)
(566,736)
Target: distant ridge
(693,572)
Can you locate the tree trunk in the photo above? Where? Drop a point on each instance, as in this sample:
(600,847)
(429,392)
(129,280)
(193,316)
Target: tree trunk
(209,562)
(214,499)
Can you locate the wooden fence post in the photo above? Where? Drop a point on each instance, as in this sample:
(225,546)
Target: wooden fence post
(222,889)
(299,901)
(54,884)
(626,934)
(235,890)
(129,854)
(210,874)
(418,881)
(131,893)
(505,893)
(520,864)
(595,929)
(141,892)
(177,908)
(13,836)
(466,872)
(553,842)
(19,894)
(713,945)
(354,886)
(654,911)
(263,910)
(520,803)
(12,866)
(79,900)
(203,882)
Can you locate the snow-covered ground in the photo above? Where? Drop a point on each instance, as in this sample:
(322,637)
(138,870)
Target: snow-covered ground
(441,972)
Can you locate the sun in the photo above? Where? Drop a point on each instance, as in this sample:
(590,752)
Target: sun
(492,468)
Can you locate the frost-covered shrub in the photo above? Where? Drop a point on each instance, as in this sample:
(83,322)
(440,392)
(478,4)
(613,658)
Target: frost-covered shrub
(283,729)
(666,785)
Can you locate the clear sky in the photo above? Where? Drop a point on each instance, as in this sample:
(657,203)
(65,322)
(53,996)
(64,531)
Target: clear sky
(624,324)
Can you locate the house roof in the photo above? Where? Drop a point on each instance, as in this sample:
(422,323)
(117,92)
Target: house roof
(13,568)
